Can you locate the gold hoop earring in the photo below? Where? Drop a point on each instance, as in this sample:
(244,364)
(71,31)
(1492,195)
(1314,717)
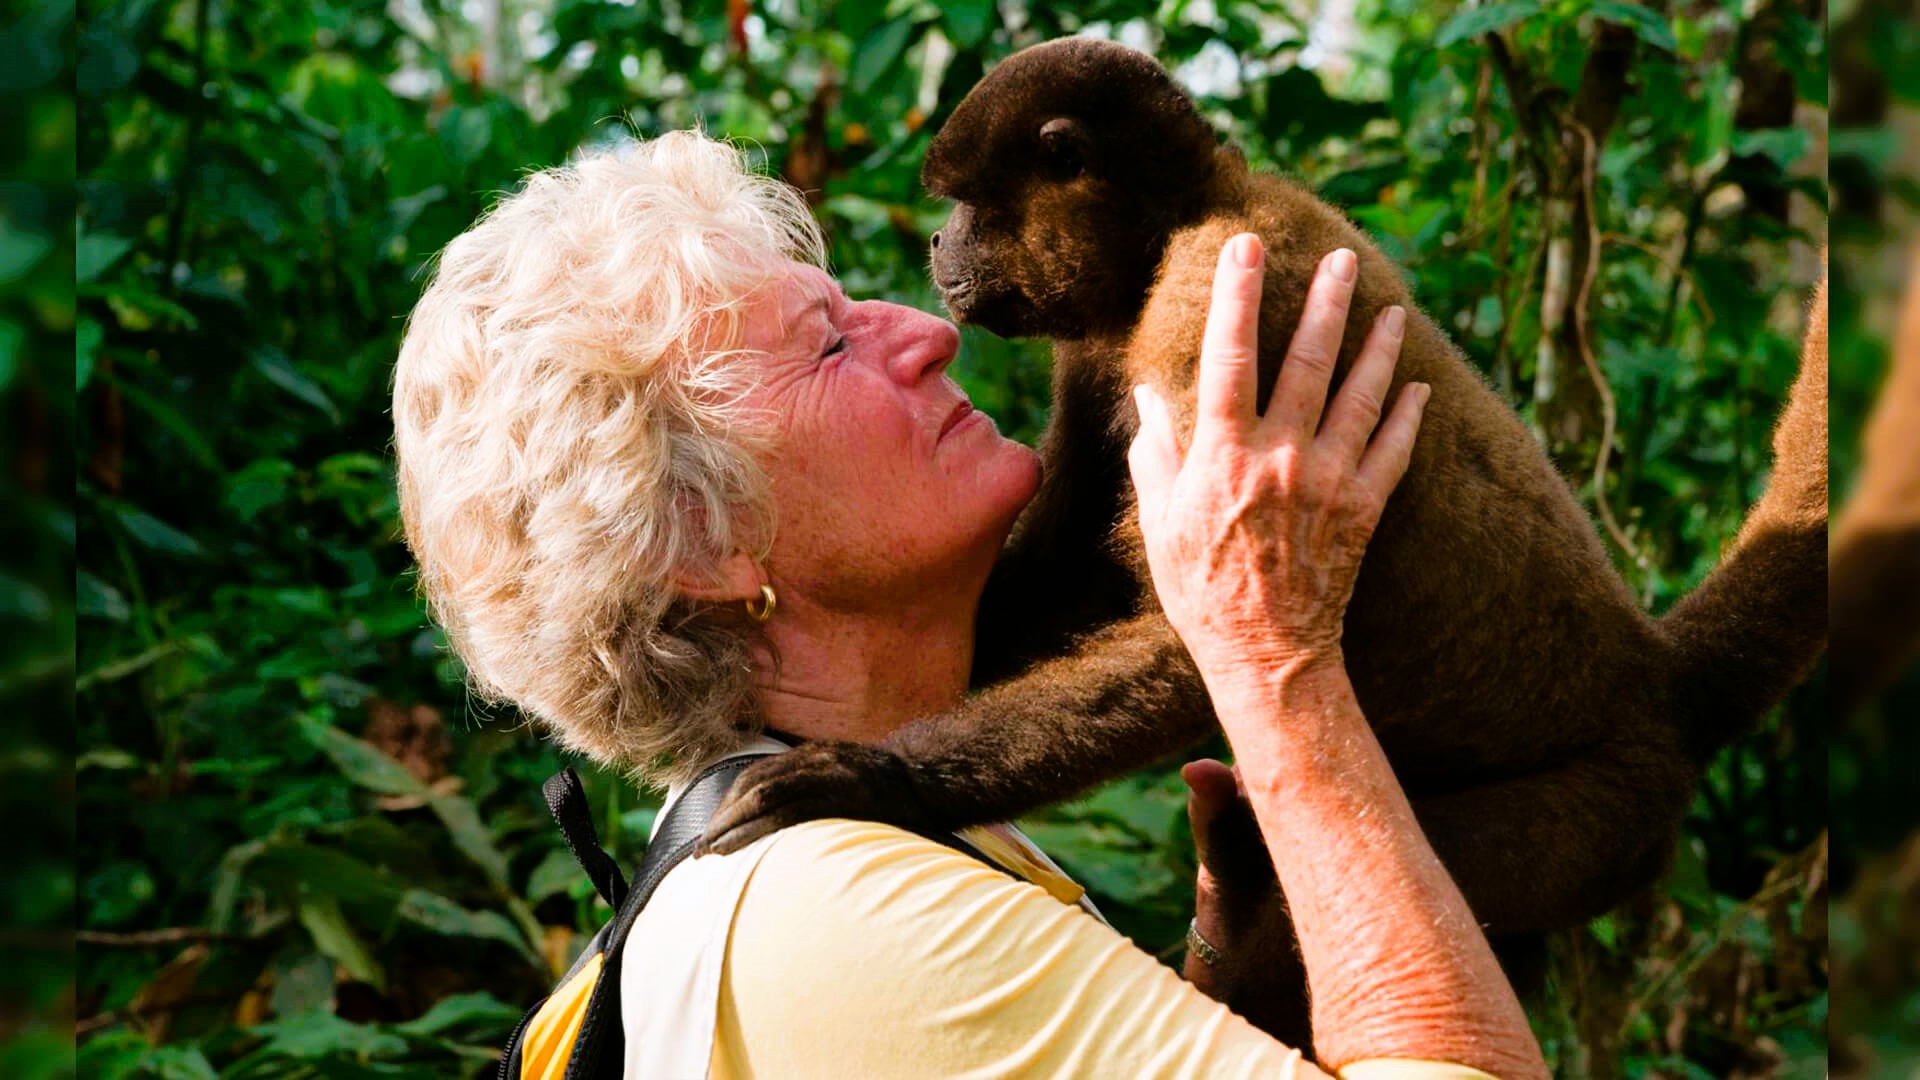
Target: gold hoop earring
(767,601)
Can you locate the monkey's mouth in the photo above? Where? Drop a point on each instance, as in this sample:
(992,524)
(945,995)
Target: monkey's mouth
(959,296)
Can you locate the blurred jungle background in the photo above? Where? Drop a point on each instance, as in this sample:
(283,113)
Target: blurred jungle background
(303,852)
(1875,818)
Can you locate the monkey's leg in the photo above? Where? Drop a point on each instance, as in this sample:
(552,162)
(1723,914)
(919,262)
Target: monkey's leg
(1127,695)
(1552,849)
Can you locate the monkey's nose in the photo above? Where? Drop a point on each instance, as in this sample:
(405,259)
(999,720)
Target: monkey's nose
(936,240)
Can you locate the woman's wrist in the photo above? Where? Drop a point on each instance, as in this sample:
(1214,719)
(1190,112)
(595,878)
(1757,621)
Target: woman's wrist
(1291,724)
(1253,681)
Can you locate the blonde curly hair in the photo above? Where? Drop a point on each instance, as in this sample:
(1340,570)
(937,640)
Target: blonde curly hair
(571,443)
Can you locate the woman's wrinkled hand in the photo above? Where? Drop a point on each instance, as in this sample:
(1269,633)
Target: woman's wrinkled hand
(1254,535)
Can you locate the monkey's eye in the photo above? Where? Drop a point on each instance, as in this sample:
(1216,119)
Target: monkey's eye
(1064,162)
(1066,145)
(839,346)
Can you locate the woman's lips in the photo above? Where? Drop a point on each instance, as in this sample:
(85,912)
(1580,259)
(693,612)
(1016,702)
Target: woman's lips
(957,417)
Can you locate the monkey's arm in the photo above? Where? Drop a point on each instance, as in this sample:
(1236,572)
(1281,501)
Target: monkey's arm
(1552,849)
(1058,576)
(1128,695)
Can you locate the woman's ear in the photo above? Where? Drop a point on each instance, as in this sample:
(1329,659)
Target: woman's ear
(736,577)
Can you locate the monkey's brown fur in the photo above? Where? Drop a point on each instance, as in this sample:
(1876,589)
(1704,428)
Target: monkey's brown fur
(1547,730)
(1876,544)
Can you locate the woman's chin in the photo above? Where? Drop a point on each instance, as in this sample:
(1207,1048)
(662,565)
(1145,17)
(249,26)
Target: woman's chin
(1018,469)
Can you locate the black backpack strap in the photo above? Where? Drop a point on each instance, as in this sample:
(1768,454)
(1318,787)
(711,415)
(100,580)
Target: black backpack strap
(599,1050)
(567,800)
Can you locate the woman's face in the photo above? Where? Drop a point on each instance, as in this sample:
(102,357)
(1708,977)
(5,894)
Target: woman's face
(884,478)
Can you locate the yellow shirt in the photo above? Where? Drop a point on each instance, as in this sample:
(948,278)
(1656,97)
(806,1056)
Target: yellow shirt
(862,951)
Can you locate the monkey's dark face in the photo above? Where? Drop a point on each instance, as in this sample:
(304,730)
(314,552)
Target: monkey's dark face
(1069,164)
(1049,258)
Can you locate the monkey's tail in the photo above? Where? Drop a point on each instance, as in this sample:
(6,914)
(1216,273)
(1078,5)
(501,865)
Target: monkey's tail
(1756,627)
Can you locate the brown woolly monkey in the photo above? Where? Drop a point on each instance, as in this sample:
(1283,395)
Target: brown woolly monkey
(1548,731)
(1876,544)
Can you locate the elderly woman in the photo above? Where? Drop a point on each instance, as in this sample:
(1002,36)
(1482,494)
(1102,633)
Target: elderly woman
(670,487)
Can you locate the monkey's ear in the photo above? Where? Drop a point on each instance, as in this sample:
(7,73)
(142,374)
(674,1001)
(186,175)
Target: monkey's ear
(1067,144)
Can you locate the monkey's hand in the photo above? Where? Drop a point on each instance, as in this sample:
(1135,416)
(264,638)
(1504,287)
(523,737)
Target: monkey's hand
(814,781)
(1239,911)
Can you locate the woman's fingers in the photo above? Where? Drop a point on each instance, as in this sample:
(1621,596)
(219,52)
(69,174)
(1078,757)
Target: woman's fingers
(1357,406)
(1385,461)
(1300,393)
(1211,791)
(1229,351)
(1154,457)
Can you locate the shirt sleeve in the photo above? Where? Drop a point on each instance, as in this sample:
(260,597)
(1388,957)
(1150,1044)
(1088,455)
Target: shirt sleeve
(863,950)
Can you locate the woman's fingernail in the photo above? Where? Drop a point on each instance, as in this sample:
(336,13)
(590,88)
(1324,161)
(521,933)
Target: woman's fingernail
(1246,250)
(1342,264)
(1426,391)
(1394,320)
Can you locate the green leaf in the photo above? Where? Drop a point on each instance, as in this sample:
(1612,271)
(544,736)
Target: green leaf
(178,1063)
(402,213)
(465,131)
(22,599)
(261,485)
(359,761)
(320,914)
(368,767)
(854,18)
(323,1035)
(1784,145)
(878,53)
(556,873)
(87,335)
(20,252)
(1605,932)
(1649,25)
(280,371)
(228,879)
(12,337)
(151,532)
(470,835)
(97,599)
(95,253)
(111,758)
(296,867)
(1874,146)
(140,309)
(968,22)
(448,919)
(1110,862)
(1474,22)
(198,448)
(471,1014)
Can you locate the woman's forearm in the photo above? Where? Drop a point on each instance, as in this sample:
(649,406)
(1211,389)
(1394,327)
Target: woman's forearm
(1395,963)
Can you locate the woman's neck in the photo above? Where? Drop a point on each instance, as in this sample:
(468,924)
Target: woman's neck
(859,677)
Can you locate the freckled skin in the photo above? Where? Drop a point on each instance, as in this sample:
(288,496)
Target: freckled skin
(1548,732)
(869,491)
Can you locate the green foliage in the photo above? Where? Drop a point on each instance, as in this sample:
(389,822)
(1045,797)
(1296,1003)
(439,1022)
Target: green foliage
(1874,817)
(306,854)
(39,263)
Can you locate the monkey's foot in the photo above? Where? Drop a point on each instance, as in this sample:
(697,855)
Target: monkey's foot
(811,782)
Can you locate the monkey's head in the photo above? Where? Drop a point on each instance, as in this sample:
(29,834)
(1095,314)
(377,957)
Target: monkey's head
(1069,165)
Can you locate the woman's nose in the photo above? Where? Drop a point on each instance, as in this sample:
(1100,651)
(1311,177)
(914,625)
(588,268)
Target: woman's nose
(920,344)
